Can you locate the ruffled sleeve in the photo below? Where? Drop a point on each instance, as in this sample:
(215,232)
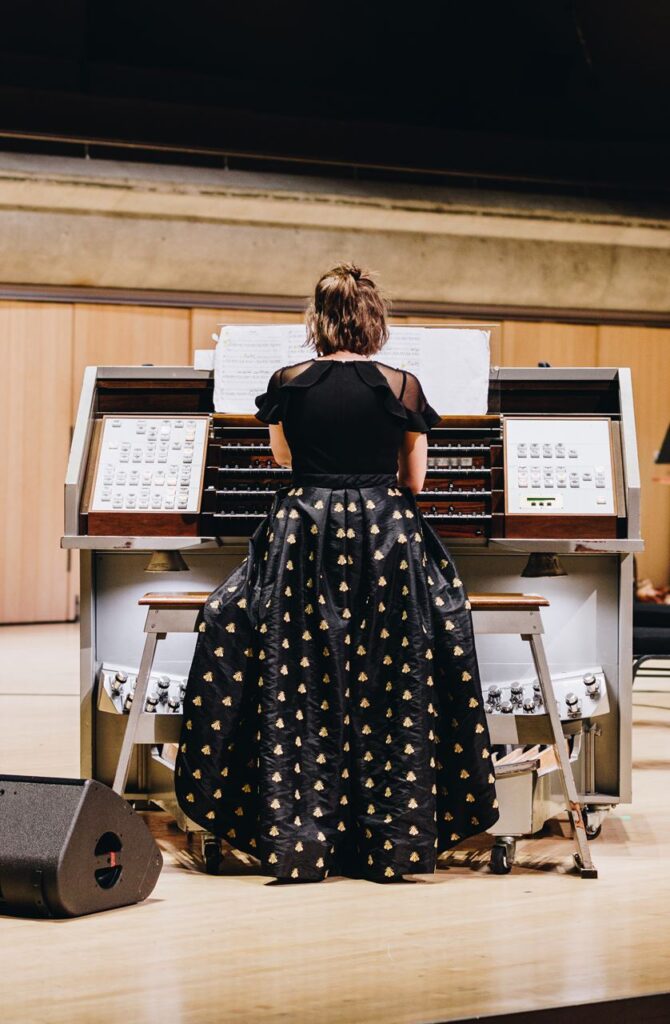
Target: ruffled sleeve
(267,403)
(409,407)
(422,423)
(421,416)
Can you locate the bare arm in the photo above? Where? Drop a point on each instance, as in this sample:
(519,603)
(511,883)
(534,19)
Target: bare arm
(269,413)
(413,461)
(281,452)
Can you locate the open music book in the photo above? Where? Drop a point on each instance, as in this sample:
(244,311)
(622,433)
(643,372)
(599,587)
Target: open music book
(452,363)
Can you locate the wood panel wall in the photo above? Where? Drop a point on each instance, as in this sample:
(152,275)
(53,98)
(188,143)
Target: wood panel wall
(647,352)
(35,418)
(129,336)
(47,345)
(527,344)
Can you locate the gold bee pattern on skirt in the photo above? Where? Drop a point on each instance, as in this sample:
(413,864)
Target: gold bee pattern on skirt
(333,712)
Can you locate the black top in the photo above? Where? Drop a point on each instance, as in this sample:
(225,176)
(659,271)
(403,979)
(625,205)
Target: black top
(345,416)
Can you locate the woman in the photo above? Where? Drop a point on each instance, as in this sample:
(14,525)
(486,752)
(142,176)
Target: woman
(334,721)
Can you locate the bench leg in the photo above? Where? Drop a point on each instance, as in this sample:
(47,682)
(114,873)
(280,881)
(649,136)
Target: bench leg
(139,702)
(585,863)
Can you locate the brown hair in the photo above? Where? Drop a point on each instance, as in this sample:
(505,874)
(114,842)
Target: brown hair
(348,312)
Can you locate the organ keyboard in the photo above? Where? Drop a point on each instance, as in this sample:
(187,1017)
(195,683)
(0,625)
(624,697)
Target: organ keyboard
(218,481)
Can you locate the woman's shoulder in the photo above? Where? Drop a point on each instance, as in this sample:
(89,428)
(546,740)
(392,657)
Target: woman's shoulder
(410,399)
(398,370)
(269,402)
(291,370)
(395,376)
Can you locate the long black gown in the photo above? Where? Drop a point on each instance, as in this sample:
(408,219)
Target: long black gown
(333,717)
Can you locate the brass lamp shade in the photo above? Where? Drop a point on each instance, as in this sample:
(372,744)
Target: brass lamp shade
(541,563)
(166,561)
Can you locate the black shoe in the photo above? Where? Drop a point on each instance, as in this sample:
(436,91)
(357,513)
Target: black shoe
(387,881)
(287,880)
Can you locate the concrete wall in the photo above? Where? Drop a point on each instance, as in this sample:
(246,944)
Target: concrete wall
(106,224)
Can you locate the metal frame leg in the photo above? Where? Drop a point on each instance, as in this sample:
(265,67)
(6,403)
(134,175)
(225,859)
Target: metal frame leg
(586,867)
(139,701)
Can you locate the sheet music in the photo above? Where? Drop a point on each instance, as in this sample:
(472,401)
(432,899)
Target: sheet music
(452,363)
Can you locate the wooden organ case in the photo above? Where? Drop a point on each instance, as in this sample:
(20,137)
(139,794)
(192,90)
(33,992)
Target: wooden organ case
(550,468)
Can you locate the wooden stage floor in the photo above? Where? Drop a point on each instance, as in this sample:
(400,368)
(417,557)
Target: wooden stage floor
(239,948)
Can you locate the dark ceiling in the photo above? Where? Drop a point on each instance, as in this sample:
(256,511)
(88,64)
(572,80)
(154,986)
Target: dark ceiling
(565,96)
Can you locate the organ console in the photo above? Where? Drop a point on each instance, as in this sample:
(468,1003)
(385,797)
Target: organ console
(159,462)
(551,467)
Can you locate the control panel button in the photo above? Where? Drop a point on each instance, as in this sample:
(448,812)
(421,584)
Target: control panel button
(142,456)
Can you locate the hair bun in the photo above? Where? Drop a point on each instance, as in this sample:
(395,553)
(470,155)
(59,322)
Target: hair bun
(348,312)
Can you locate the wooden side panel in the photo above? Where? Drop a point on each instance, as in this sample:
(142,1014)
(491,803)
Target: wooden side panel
(35,404)
(128,336)
(527,344)
(125,336)
(647,351)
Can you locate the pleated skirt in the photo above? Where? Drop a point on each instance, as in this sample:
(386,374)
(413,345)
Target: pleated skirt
(333,716)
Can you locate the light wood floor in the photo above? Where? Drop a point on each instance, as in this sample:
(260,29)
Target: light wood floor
(238,948)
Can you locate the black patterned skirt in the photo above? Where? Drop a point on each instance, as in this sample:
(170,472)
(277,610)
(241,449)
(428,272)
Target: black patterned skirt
(333,717)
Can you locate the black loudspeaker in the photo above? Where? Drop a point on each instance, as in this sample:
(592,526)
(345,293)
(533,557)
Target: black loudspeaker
(71,847)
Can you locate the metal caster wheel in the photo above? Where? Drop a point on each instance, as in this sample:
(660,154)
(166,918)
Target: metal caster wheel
(502,857)
(211,853)
(592,822)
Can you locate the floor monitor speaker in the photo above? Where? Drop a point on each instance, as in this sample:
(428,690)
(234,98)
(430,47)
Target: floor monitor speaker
(70,847)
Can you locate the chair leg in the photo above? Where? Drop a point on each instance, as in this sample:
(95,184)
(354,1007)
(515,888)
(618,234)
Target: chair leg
(585,864)
(139,701)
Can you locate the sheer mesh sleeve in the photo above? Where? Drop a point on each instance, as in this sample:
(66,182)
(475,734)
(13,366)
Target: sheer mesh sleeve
(267,402)
(421,415)
(272,402)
